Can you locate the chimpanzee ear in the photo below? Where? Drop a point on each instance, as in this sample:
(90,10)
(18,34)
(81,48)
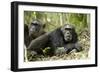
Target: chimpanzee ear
(44,25)
(75,36)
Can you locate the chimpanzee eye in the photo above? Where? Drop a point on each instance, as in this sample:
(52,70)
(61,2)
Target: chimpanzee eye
(34,24)
(67,29)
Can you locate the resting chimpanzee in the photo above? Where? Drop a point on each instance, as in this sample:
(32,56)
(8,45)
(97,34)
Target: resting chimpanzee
(34,30)
(64,36)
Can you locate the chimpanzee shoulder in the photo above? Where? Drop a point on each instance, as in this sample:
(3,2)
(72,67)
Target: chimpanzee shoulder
(56,38)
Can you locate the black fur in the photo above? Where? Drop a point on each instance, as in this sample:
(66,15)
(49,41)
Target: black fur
(64,36)
(32,31)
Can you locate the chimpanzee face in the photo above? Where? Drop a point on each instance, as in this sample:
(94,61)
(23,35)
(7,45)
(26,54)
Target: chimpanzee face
(67,31)
(34,27)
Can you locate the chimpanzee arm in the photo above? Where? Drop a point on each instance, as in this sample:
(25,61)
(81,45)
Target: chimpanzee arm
(78,47)
(39,42)
(69,47)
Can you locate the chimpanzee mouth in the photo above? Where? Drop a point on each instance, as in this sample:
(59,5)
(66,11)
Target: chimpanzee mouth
(68,38)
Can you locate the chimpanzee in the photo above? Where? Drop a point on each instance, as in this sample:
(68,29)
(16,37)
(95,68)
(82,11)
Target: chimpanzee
(64,36)
(32,31)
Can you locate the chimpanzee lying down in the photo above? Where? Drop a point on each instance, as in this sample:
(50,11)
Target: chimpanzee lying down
(64,36)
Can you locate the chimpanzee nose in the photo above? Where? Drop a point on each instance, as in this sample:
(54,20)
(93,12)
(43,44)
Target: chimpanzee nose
(68,33)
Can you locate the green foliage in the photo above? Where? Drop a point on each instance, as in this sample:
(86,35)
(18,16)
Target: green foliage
(79,21)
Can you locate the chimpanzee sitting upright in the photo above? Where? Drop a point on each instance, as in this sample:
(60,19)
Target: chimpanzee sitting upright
(64,36)
(32,31)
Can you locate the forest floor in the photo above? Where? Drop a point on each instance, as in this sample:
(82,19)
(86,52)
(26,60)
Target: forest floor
(84,39)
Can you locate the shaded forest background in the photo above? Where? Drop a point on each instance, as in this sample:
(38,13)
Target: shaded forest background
(53,20)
